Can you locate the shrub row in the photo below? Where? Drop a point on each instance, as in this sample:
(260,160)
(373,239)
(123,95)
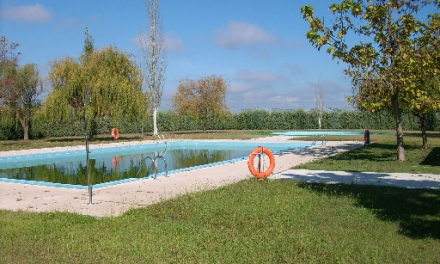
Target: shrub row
(244,120)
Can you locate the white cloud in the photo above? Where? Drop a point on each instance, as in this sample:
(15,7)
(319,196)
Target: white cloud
(254,76)
(239,87)
(239,34)
(30,13)
(258,98)
(283,99)
(258,89)
(335,94)
(173,44)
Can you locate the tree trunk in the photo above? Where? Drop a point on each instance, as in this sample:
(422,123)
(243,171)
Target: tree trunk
(25,127)
(423,128)
(399,127)
(319,121)
(155,133)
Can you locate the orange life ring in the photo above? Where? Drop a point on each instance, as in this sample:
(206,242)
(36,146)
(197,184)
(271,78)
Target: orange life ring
(116,161)
(256,173)
(115,133)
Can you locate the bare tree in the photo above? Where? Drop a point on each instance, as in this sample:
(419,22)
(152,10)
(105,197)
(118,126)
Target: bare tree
(152,42)
(319,101)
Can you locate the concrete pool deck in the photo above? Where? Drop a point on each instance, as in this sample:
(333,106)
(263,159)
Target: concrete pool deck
(117,199)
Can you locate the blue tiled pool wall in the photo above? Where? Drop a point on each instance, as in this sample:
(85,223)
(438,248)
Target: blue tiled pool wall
(18,161)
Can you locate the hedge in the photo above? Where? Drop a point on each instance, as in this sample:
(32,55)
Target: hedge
(244,120)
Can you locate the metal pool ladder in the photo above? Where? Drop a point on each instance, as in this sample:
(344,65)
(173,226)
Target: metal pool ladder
(153,165)
(319,138)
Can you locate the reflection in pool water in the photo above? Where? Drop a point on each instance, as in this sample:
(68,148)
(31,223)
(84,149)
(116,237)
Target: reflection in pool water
(112,165)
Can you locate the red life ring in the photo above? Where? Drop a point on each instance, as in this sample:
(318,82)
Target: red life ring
(256,173)
(116,161)
(115,133)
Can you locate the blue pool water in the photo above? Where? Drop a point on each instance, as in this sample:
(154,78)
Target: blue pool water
(314,133)
(115,165)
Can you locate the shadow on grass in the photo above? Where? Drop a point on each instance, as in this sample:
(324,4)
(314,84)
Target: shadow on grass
(376,152)
(416,210)
(433,158)
(430,134)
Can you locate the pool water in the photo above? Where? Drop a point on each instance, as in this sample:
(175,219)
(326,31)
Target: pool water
(314,133)
(116,165)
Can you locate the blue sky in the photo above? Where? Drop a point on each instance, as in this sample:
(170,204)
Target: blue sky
(258,46)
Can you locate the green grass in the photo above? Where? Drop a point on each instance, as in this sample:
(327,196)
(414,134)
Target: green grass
(381,156)
(255,221)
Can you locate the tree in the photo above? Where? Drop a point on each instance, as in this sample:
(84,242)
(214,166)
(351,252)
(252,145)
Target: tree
(204,98)
(115,82)
(152,43)
(88,47)
(29,87)
(19,86)
(319,102)
(426,101)
(423,98)
(389,34)
(8,70)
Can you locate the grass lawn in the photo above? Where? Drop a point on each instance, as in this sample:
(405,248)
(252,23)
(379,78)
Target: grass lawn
(254,221)
(100,139)
(381,155)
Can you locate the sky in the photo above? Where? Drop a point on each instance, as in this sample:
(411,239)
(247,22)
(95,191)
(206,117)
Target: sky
(259,47)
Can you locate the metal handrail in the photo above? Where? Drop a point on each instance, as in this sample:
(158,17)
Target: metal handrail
(161,155)
(153,165)
(320,138)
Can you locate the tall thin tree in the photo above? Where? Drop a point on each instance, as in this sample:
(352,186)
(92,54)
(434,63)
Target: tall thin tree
(88,47)
(152,42)
(319,101)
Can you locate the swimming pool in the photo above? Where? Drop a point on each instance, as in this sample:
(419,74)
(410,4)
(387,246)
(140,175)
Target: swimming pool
(115,165)
(318,132)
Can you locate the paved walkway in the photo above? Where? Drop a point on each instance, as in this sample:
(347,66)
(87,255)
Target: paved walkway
(407,180)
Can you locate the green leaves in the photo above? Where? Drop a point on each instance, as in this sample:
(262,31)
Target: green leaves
(115,82)
(387,67)
(331,50)
(392,30)
(307,11)
(204,98)
(19,86)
